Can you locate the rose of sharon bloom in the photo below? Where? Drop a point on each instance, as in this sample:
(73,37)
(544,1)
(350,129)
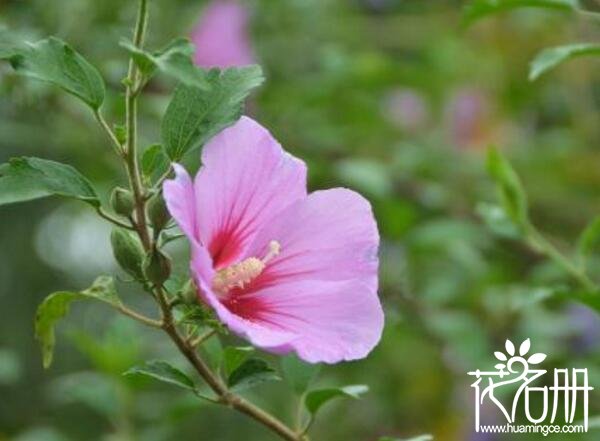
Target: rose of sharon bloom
(286,270)
(221,36)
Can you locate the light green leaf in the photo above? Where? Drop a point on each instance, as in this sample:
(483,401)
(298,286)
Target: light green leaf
(298,374)
(56,305)
(163,371)
(154,161)
(589,240)
(478,9)
(250,373)
(512,195)
(497,220)
(195,115)
(56,62)
(24,179)
(213,350)
(8,43)
(174,60)
(234,356)
(317,398)
(551,57)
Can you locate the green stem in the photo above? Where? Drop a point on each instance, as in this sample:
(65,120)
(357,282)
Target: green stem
(225,396)
(139,317)
(131,159)
(112,219)
(544,246)
(116,144)
(201,338)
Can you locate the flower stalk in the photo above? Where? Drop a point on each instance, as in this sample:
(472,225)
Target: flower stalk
(140,224)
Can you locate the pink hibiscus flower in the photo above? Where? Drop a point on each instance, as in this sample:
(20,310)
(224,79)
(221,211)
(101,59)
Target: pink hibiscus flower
(221,36)
(287,270)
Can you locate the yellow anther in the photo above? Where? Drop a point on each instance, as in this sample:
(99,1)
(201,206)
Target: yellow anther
(242,273)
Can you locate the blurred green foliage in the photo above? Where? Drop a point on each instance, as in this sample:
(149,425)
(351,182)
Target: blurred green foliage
(394,98)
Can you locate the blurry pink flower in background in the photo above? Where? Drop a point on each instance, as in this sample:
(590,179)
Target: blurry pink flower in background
(287,270)
(406,109)
(221,36)
(468,118)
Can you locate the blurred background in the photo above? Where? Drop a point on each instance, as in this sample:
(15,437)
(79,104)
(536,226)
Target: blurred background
(393,98)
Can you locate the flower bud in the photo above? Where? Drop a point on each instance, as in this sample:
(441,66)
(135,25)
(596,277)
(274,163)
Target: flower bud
(157,267)
(157,212)
(121,201)
(128,252)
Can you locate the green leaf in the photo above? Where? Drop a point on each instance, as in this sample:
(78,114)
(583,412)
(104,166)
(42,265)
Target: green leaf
(56,305)
(213,350)
(478,9)
(514,200)
(195,115)
(250,373)
(24,179)
(234,356)
(551,57)
(56,62)
(298,374)
(154,161)
(174,60)
(163,371)
(8,43)
(497,220)
(317,398)
(589,239)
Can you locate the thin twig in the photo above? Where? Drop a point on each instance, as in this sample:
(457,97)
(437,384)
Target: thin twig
(194,343)
(139,317)
(116,144)
(113,219)
(544,246)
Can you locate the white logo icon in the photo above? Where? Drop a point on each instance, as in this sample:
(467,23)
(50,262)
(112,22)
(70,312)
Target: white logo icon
(521,371)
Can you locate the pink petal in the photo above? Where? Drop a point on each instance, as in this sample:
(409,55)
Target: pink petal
(221,36)
(330,235)
(332,321)
(322,321)
(181,201)
(319,296)
(246,179)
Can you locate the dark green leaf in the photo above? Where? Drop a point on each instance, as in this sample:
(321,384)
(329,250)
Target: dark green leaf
(514,200)
(589,239)
(163,371)
(56,306)
(195,115)
(250,373)
(551,57)
(297,373)
(477,9)
(317,398)
(234,356)
(174,60)
(56,62)
(24,179)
